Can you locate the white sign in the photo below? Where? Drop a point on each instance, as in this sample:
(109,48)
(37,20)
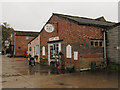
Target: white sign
(54,38)
(75,55)
(49,28)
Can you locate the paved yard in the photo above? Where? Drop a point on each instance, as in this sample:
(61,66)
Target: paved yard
(16,73)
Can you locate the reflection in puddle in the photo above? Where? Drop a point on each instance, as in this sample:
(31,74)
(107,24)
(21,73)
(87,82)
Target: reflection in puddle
(42,69)
(39,69)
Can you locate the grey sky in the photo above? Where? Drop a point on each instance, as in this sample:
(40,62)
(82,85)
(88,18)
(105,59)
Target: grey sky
(33,15)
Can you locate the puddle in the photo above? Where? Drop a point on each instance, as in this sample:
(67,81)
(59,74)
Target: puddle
(40,70)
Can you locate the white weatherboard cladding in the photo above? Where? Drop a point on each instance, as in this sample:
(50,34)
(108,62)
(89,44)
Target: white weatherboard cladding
(75,55)
(43,50)
(68,51)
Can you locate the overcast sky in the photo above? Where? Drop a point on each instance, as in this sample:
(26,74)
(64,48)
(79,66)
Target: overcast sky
(33,15)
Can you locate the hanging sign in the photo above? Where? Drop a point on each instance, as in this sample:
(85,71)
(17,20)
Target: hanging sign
(54,38)
(49,28)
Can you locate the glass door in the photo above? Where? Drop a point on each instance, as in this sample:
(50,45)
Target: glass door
(54,50)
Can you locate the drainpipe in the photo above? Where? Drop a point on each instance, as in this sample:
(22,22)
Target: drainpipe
(104,33)
(14,43)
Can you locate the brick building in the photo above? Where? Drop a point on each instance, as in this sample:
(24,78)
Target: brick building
(79,39)
(19,42)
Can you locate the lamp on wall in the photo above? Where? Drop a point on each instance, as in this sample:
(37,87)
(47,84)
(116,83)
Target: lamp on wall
(56,24)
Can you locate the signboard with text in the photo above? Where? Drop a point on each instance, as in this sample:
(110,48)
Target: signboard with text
(54,38)
(49,28)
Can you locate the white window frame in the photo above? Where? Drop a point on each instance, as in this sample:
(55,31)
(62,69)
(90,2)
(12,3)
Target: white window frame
(37,49)
(43,50)
(75,55)
(68,51)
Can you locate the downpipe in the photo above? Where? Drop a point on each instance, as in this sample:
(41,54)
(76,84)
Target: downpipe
(105,58)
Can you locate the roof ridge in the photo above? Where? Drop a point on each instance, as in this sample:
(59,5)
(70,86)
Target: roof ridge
(63,15)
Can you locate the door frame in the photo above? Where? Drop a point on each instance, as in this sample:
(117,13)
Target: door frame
(50,44)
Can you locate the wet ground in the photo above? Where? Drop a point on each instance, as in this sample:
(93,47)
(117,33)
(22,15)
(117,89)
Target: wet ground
(16,73)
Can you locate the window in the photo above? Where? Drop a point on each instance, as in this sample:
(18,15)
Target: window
(33,51)
(27,38)
(37,49)
(30,49)
(43,50)
(75,55)
(100,44)
(19,47)
(96,43)
(68,51)
(92,43)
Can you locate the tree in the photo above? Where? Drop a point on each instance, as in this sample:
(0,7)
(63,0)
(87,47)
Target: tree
(6,34)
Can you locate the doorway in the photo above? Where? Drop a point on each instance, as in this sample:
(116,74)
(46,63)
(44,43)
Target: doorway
(53,51)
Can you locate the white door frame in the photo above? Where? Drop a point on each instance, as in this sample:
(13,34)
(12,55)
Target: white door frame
(49,60)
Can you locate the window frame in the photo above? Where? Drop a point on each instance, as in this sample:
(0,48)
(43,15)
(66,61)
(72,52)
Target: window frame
(43,50)
(68,51)
(96,41)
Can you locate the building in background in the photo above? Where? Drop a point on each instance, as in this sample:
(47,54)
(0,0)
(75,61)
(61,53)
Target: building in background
(34,48)
(19,42)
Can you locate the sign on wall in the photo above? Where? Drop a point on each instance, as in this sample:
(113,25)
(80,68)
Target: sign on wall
(49,28)
(75,55)
(54,38)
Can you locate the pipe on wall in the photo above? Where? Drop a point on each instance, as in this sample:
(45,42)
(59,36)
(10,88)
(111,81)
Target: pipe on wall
(105,58)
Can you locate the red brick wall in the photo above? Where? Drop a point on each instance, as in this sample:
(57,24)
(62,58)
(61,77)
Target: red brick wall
(72,33)
(20,41)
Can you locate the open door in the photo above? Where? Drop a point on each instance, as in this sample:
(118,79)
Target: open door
(53,51)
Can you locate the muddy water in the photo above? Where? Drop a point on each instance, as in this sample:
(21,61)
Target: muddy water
(74,80)
(41,70)
(18,74)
